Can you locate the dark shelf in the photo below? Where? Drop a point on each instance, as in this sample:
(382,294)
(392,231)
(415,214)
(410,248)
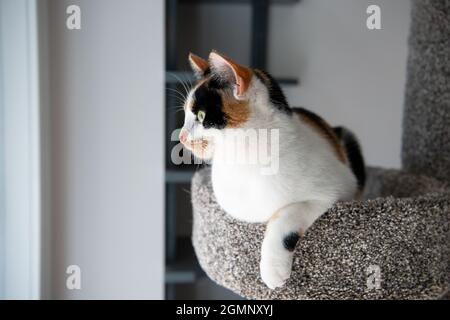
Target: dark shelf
(185,268)
(179,176)
(182,267)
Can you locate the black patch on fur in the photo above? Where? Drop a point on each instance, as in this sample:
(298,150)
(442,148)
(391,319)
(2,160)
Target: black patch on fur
(276,95)
(209,101)
(311,115)
(290,241)
(316,119)
(354,154)
(199,75)
(216,83)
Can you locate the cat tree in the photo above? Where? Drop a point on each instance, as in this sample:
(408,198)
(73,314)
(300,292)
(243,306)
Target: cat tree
(395,244)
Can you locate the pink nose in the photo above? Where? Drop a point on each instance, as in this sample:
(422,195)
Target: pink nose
(183,136)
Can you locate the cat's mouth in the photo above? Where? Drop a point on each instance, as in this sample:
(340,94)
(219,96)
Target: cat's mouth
(197,143)
(199,148)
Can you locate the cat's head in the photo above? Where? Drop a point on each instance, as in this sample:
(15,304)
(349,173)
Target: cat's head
(225,96)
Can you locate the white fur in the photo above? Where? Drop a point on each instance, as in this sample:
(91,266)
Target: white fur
(310,180)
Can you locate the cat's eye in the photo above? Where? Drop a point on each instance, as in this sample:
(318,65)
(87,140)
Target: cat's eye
(201,116)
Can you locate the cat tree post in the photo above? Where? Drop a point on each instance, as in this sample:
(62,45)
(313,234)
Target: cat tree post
(426,122)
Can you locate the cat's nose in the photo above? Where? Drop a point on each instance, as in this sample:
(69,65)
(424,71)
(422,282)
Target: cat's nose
(183,136)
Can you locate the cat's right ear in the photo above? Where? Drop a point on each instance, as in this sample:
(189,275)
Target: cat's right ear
(199,66)
(231,72)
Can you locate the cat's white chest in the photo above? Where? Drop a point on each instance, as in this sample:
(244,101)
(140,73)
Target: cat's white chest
(243,193)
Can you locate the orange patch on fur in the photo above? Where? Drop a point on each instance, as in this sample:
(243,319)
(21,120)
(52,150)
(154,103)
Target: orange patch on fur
(276,215)
(322,128)
(236,111)
(243,75)
(198,63)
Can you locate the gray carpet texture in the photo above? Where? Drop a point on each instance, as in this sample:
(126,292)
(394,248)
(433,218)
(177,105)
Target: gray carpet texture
(395,244)
(426,122)
(404,233)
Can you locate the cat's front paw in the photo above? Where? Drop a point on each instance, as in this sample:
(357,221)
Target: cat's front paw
(275,270)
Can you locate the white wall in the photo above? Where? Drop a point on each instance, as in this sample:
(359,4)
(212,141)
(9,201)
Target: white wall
(349,75)
(106,112)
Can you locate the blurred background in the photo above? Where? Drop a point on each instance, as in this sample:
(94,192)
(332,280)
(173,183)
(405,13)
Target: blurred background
(86,117)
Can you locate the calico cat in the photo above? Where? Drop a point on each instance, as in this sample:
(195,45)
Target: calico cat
(318,165)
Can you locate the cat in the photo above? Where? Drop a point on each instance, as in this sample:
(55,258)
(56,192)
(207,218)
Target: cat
(318,165)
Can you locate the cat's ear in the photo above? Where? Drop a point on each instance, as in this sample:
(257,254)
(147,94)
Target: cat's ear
(230,71)
(199,66)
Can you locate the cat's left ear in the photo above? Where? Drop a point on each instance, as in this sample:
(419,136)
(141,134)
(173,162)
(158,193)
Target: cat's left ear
(199,66)
(230,71)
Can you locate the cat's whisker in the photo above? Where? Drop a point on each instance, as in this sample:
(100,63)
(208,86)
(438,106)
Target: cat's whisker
(186,190)
(176,107)
(176,91)
(179,94)
(185,86)
(186,82)
(189,83)
(173,95)
(174,112)
(178,99)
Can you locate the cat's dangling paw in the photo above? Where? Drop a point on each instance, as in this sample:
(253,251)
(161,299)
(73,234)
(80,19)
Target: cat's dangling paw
(275,270)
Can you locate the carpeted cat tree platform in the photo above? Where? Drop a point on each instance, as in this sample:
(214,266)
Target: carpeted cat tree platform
(401,231)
